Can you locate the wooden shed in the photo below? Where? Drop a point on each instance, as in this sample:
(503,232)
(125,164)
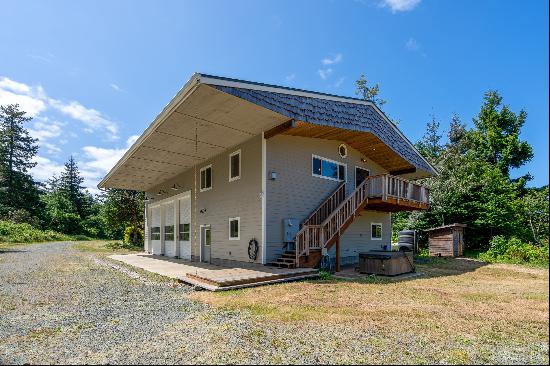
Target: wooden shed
(446,241)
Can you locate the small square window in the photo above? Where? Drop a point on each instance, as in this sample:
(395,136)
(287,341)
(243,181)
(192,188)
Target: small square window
(184,232)
(206,178)
(234,228)
(235,166)
(376,231)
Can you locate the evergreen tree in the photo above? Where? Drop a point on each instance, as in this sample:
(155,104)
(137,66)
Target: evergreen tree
(367,92)
(18,191)
(430,144)
(70,185)
(496,136)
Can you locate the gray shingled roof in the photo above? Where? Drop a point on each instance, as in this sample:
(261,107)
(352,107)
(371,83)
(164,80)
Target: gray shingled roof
(323,112)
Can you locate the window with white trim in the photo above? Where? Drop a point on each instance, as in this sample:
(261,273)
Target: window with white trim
(376,231)
(235,165)
(328,169)
(234,228)
(206,178)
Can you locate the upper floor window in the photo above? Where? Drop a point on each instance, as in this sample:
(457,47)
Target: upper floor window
(206,178)
(235,165)
(329,169)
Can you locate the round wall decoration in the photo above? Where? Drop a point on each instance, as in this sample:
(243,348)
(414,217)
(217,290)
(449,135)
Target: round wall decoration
(343,150)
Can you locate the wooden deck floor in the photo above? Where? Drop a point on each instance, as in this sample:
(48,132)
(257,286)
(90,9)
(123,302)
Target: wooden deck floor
(213,277)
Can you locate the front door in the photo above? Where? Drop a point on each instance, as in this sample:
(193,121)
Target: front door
(206,241)
(360,175)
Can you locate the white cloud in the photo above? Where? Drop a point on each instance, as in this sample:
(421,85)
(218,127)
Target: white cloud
(325,73)
(400,5)
(332,61)
(412,45)
(290,77)
(92,118)
(44,129)
(115,87)
(30,99)
(35,101)
(131,140)
(339,82)
(98,161)
(45,168)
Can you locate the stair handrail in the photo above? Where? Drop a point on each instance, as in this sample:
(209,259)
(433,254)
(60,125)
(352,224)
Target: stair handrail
(318,236)
(337,196)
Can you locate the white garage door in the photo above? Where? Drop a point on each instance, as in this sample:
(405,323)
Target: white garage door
(185,227)
(169,229)
(155,231)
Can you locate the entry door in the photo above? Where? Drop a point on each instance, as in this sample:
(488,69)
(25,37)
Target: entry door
(206,241)
(360,175)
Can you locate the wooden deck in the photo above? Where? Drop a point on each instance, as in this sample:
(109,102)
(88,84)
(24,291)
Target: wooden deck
(213,277)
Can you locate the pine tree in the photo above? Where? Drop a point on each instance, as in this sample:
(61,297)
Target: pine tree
(496,137)
(367,92)
(18,191)
(70,185)
(430,144)
(123,208)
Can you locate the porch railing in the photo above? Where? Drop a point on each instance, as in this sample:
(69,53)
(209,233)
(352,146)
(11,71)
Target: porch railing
(320,235)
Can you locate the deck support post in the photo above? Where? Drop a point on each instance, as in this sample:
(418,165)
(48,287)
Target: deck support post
(338,253)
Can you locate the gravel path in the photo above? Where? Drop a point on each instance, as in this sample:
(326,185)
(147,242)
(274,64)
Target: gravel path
(59,305)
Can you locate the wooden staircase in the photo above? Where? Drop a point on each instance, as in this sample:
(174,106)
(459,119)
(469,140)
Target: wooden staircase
(324,227)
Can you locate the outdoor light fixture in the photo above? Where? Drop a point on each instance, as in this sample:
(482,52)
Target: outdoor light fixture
(203,210)
(176,186)
(273,175)
(363,160)
(161,192)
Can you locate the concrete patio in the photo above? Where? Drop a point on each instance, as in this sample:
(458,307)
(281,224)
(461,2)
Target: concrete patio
(215,277)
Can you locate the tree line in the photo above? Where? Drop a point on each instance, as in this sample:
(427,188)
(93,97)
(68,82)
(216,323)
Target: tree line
(62,203)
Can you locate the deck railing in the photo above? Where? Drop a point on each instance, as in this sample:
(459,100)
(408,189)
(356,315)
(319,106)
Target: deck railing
(319,235)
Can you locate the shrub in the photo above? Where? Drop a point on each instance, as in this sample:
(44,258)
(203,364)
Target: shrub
(121,245)
(129,235)
(11,232)
(513,250)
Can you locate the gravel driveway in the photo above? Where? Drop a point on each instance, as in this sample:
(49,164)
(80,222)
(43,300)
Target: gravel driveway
(62,305)
(59,305)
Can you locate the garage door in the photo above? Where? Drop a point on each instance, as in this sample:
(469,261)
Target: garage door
(155,231)
(185,227)
(169,229)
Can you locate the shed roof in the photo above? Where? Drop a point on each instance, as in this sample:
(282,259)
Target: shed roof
(446,227)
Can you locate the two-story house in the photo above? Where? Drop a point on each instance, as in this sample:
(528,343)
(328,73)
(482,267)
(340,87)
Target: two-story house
(243,171)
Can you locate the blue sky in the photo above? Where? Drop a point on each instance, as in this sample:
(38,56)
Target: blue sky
(95,74)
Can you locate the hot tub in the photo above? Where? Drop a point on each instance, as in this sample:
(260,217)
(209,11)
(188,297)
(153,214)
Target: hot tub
(386,263)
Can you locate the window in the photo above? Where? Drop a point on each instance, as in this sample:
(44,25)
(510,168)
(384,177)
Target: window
(376,231)
(235,166)
(206,178)
(184,232)
(234,228)
(328,169)
(343,150)
(169,233)
(155,233)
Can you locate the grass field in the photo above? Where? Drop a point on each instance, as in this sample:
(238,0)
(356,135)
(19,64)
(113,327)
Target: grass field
(463,311)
